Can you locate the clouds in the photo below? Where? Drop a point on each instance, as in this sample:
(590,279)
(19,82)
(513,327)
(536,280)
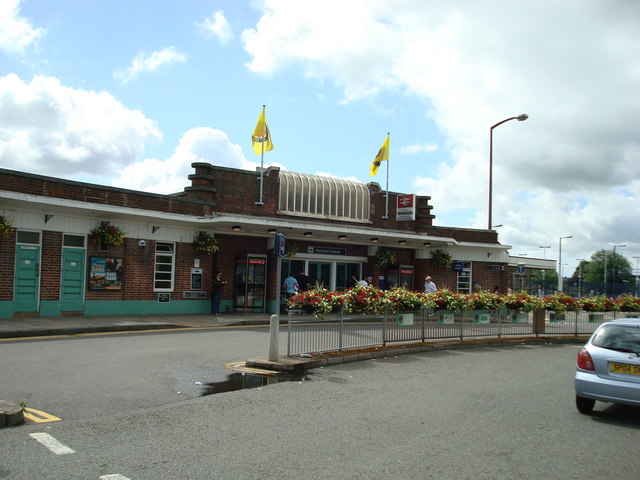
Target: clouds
(16,32)
(142,63)
(570,65)
(218,26)
(62,131)
(436,74)
(201,144)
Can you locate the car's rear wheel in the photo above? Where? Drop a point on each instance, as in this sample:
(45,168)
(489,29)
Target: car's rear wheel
(585,405)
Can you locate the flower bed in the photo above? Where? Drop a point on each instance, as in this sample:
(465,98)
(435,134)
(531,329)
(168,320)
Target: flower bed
(521,302)
(560,303)
(445,299)
(317,301)
(403,300)
(599,303)
(484,300)
(627,303)
(320,302)
(364,300)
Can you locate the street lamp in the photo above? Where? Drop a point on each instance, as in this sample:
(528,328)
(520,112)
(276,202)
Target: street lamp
(614,267)
(637,273)
(580,276)
(560,281)
(544,250)
(520,118)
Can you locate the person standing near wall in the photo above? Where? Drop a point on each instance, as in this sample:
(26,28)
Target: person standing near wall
(429,286)
(216,296)
(291,286)
(303,281)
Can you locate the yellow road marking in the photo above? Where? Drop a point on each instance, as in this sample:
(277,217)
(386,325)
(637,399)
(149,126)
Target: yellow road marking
(39,417)
(241,366)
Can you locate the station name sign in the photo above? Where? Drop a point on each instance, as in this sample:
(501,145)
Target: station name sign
(406,207)
(327,251)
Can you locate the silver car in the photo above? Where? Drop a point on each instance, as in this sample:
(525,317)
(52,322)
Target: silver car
(608,367)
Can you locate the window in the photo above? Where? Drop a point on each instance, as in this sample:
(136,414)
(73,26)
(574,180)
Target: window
(73,241)
(32,238)
(323,197)
(464,278)
(164,267)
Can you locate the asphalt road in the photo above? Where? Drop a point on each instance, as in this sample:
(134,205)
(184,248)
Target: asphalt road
(87,377)
(484,413)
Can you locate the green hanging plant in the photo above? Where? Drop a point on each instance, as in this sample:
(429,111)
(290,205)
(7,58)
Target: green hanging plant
(441,258)
(385,257)
(5,226)
(291,252)
(107,235)
(205,242)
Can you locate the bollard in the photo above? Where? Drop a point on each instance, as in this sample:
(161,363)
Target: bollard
(274,326)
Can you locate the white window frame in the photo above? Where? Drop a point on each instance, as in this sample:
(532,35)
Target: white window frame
(172,265)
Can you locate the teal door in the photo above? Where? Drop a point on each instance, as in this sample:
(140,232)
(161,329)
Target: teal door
(72,288)
(27,279)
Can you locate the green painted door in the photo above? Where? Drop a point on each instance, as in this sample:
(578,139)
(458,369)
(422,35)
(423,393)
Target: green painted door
(72,288)
(27,279)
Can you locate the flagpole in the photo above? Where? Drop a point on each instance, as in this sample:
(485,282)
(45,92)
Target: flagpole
(260,202)
(386,214)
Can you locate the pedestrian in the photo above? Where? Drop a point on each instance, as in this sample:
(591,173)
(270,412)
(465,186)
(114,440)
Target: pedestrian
(303,281)
(291,286)
(363,283)
(216,296)
(496,290)
(429,286)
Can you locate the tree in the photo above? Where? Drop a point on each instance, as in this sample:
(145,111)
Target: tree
(593,271)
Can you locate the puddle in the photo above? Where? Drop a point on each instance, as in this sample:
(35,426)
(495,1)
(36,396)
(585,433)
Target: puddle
(241,381)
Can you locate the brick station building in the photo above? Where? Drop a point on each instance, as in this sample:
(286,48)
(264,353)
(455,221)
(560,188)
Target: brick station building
(336,231)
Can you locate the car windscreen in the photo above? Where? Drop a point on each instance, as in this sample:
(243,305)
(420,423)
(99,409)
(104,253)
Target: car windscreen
(618,337)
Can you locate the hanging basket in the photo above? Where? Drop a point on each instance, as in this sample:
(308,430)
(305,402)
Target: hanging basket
(107,235)
(5,226)
(205,242)
(441,258)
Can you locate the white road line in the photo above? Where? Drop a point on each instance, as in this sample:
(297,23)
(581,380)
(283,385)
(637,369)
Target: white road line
(115,476)
(51,443)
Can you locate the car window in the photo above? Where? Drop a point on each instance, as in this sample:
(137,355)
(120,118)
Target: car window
(617,336)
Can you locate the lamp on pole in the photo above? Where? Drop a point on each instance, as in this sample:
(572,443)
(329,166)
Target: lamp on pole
(580,277)
(520,118)
(560,280)
(614,267)
(544,251)
(637,273)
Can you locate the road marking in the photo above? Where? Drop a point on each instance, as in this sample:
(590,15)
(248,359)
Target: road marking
(51,443)
(115,476)
(242,367)
(37,416)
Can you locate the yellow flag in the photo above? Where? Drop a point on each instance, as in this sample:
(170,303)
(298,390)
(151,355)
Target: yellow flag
(261,137)
(383,154)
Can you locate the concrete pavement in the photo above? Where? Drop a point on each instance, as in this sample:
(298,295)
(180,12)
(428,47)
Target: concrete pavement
(73,325)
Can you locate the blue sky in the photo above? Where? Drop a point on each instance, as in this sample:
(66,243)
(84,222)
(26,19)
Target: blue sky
(130,93)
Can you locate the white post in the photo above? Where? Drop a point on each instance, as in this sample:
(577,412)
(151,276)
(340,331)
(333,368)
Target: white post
(274,327)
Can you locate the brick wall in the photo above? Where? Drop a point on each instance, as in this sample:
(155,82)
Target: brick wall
(7,265)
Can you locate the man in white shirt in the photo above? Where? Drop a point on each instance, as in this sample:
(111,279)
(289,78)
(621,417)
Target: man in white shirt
(429,286)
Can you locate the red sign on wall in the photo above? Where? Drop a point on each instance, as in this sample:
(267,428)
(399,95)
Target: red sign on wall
(406,207)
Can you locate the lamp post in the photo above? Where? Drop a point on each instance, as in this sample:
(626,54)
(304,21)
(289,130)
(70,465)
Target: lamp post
(544,251)
(520,118)
(580,276)
(614,267)
(560,280)
(637,273)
